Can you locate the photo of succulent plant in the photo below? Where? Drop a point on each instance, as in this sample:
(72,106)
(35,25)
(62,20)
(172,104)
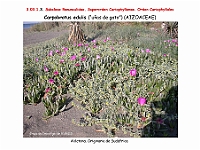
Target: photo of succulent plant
(122,76)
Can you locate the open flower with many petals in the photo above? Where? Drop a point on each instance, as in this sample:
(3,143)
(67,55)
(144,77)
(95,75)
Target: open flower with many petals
(73,57)
(142,101)
(46,69)
(83,58)
(50,53)
(56,73)
(47,90)
(62,61)
(148,50)
(51,81)
(77,64)
(133,72)
(98,57)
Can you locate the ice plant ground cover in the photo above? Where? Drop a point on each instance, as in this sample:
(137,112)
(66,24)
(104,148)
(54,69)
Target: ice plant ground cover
(120,87)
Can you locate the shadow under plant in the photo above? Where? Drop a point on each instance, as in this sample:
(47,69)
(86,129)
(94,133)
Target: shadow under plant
(164,123)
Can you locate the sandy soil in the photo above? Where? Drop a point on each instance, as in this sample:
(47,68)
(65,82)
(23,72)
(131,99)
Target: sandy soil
(58,126)
(37,37)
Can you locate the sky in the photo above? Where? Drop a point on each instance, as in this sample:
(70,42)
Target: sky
(30,22)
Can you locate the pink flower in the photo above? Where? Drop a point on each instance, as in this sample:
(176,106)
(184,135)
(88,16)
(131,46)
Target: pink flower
(112,48)
(159,121)
(141,101)
(80,44)
(47,90)
(63,53)
(73,57)
(46,69)
(143,118)
(94,46)
(164,55)
(107,38)
(86,44)
(133,72)
(142,51)
(148,50)
(88,49)
(51,81)
(51,53)
(104,40)
(174,40)
(77,64)
(62,60)
(57,51)
(56,73)
(65,48)
(98,57)
(83,58)
(94,41)
(36,59)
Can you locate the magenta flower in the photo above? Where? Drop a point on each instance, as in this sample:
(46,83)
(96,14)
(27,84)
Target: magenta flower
(51,81)
(112,48)
(143,118)
(174,40)
(46,69)
(57,51)
(36,59)
(51,53)
(63,53)
(65,48)
(98,57)
(56,73)
(133,72)
(62,60)
(141,101)
(164,55)
(159,121)
(148,50)
(104,40)
(86,44)
(94,41)
(73,57)
(77,64)
(47,90)
(83,58)
(80,44)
